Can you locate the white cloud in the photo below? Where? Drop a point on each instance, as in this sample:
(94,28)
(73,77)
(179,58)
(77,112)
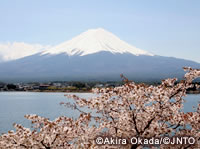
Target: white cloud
(15,50)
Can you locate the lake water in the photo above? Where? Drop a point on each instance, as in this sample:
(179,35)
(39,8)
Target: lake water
(14,105)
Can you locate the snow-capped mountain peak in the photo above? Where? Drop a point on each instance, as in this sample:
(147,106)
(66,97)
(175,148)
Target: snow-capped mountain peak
(93,41)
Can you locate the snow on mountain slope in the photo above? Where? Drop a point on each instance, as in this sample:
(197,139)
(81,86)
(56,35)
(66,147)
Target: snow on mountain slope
(93,41)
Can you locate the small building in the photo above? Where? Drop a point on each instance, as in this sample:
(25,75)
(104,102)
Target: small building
(36,87)
(57,84)
(99,85)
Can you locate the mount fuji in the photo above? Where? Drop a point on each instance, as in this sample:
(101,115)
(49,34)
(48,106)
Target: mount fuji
(94,55)
(94,41)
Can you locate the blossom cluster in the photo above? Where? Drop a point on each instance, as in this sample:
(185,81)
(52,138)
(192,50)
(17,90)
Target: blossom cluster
(132,109)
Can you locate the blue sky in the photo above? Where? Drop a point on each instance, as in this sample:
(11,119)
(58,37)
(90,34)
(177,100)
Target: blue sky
(163,27)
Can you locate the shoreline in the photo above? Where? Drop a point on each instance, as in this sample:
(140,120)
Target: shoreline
(64,91)
(50,91)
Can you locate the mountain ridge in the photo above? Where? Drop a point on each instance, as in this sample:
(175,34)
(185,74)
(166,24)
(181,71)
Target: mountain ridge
(68,62)
(102,66)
